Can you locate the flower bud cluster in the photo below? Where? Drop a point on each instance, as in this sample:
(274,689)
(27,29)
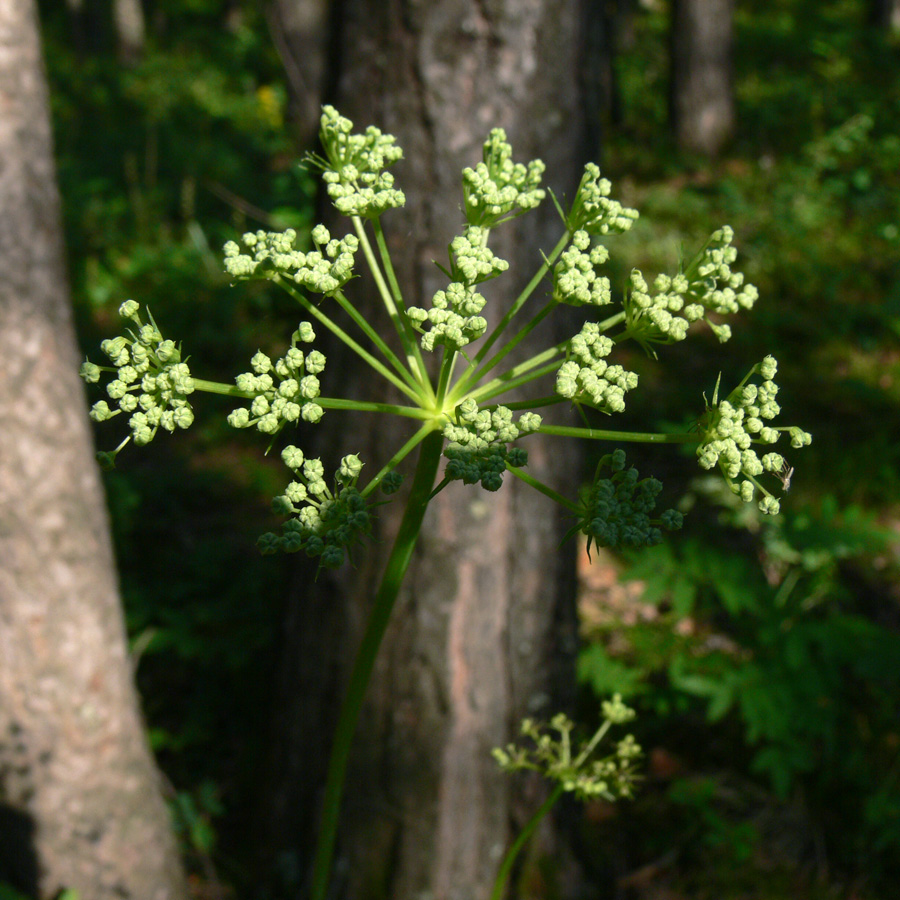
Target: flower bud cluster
(283,391)
(617,511)
(730,428)
(454,318)
(586,377)
(323,523)
(477,450)
(498,189)
(593,211)
(323,270)
(354,164)
(575,280)
(550,750)
(152,382)
(707,285)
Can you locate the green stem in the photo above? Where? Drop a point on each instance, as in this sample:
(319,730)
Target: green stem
(398,457)
(511,380)
(522,298)
(522,475)
(393,300)
(218,387)
(410,412)
(376,339)
(339,332)
(520,841)
(475,376)
(632,436)
(459,391)
(397,564)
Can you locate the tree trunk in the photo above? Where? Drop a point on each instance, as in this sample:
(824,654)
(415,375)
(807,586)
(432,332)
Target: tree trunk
(77,782)
(701,93)
(885,14)
(301,33)
(484,632)
(131,30)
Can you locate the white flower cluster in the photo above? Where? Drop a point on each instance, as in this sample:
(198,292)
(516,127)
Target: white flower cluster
(285,391)
(354,164)
(731,427)
(593,210)
(586,377)
(552,751)
(498,188)
(477,450)
(152,383)
(324,523)
(575,280)
(707,285)
(323,270)
(454,318)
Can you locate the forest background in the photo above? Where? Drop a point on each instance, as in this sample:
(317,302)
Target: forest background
(762,656)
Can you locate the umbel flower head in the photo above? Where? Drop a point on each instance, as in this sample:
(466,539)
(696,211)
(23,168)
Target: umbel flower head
(353,166)
(498,189)
(551,751)
(731,427)
(152,382)
(284,391)
(617,511)
(705,285)
(325,522)
(477,450)
(586,377)
(324,270)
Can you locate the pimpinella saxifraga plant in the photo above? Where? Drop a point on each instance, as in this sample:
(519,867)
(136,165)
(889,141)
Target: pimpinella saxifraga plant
(455,406)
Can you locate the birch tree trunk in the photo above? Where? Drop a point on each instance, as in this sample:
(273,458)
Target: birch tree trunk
(701,91)
(80,805)
(484,633)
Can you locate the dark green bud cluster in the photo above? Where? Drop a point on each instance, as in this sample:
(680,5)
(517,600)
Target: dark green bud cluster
(325,523)
(454,315)
(284,391)
(152,381)
(497,188)
(730,428)
(353,167)
(706,285)
(575,279)
(586,377)
(323,270)
(617,511)
(551,751)
(477,450)
(593,211)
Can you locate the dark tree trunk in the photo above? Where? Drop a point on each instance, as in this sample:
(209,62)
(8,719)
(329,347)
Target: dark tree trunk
(301,32)
(701,93)
(484,633)
(885,14)
(80,805)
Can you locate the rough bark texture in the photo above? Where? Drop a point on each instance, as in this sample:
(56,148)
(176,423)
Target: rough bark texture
(79,795)
(701,92)
(301,32)
(484,632)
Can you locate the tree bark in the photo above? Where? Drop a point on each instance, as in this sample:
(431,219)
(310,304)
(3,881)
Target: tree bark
(131,30)
(77,783)
(701,92)
(484,632)
(885,14)
(302,35)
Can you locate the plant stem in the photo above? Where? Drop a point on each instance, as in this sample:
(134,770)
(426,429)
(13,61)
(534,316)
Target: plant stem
(519,843)
(547,491)
(632,436)
(397,564)
(218,387)
(376,364)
